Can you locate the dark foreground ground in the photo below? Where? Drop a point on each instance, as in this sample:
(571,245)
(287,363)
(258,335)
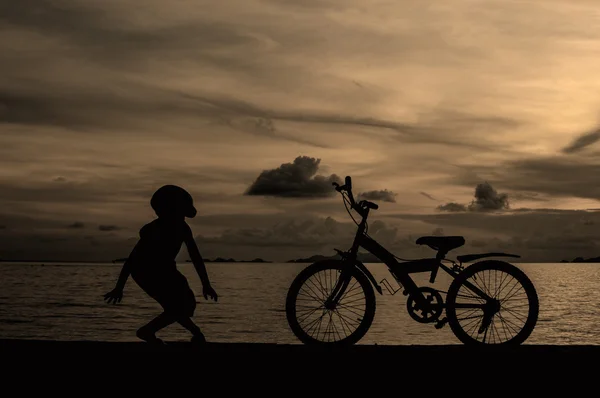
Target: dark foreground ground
(234,365)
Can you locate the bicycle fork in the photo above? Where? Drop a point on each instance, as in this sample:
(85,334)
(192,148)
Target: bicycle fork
(339,290)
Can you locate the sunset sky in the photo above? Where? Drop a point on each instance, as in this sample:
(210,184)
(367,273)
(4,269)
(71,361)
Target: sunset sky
(458,117)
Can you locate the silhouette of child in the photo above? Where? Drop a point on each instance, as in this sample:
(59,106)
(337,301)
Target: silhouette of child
(152,265)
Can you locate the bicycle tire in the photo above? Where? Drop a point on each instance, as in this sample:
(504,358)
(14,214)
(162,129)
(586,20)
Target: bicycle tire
(301,279)
(493,265)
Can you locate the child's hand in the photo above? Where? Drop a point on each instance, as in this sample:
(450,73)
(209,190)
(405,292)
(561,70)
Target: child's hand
(208,291)
(114,296)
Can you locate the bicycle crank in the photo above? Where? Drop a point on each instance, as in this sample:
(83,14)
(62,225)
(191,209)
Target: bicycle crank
(431,312)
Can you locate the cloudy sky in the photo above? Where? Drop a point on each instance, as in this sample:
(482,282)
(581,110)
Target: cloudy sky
(462,117)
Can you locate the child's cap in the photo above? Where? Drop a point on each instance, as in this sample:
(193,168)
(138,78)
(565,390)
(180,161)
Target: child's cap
(170,199)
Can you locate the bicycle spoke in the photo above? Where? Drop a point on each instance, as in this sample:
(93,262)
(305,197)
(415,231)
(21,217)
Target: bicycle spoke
(353,301)
(507,322)
(307,294)
(344,323)
(306,316)
(511,289)
(312,311)
(502,280)
(358,309)
(316,289)
(512,295)
(350,290)
(335,328)
(469,317)
(471,297)
(354,312)
(313,323)
(468,312)
(506,327)
(473,322)
(476,326)
(323,288)
(314,294)
(520,317)
(467,305)
(503,323)
(347,319)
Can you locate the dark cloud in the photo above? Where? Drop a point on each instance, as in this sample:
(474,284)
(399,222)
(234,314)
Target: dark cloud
(428,196)
(302,237)
(438,232)
(486,199)
(582,142)
(84,110)
(533,196)
(438,127)
(383,233)
(384,195)
(294,180)
(113,189)
(102,37)
(310,232)
(35,246)
(52,239)
(76,225)
(523,222)
(558,176)
(452,207)
(479,243)
(537,235)
(230,109)
(544,235)
(108,228)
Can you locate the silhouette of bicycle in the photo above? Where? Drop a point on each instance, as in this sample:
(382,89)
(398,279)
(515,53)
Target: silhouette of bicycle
(488,302)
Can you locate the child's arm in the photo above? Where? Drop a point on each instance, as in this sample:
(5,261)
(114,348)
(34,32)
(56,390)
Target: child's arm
(124,275)
(117,293)
(198,262)
(196,258)
(126,270)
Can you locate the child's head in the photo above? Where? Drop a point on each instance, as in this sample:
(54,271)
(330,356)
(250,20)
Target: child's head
(171,201)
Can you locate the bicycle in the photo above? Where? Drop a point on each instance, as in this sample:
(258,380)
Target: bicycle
(424,304)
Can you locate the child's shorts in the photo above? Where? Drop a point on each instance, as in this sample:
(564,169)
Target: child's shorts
(172,292)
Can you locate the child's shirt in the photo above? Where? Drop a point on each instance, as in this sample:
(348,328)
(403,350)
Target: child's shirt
(160,242)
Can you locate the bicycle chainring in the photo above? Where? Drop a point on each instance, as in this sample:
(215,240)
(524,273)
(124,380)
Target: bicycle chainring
(433,312)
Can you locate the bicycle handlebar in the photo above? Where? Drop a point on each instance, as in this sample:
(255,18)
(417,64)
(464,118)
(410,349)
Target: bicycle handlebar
(348,188)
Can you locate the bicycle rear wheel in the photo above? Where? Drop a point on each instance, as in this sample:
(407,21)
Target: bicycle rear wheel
(516,301)
(313,323)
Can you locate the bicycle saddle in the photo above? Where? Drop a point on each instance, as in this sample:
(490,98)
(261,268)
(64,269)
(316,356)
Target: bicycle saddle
(444,243)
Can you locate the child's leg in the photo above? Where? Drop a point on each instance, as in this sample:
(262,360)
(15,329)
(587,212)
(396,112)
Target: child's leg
(184,317)
(148,331)
(190,325)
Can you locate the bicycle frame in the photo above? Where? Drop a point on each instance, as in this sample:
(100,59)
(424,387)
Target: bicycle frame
(400,270)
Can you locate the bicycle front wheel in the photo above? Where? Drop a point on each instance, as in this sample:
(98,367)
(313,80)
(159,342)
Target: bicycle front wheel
(313,323)
(515,297)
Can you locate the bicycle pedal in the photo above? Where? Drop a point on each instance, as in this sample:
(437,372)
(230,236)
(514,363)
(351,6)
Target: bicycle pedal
(441,323)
